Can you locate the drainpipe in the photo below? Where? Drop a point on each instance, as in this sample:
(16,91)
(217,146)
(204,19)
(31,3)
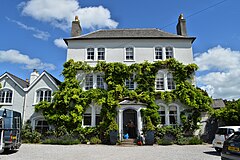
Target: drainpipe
(24,108)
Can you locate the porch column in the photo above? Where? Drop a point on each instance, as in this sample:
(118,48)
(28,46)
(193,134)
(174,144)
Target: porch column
(120,124)
(139,121)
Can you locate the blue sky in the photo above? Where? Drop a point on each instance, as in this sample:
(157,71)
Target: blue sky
(31,33)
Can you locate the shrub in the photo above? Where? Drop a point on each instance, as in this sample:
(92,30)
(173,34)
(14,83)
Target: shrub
(65,140)
(95,140)
(165,141)
(195,140)
(183,140)
(30,136)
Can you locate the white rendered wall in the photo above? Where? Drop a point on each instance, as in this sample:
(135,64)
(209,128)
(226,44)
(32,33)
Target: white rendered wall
(143,49)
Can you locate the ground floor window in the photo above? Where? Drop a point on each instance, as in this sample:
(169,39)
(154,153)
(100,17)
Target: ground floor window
(162,115)
(41,126)
(87,119)
(169,115)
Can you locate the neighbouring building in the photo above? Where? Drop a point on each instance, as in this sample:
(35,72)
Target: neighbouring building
(130,46)
(22,95)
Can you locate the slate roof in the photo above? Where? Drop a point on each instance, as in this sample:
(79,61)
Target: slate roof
(20,81)
(137,33)
(218,103)
(56,81)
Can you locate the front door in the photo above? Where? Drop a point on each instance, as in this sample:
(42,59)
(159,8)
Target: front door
(130,122)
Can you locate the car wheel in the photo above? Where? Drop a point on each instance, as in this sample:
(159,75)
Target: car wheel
(218,149)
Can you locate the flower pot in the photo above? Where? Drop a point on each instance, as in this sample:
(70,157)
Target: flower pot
(149,138)
(113,137)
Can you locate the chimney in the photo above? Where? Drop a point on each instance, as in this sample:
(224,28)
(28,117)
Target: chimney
(181,26)
(76,27)
(34,75)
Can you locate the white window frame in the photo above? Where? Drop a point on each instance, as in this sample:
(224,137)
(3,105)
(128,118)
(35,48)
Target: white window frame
(170,82)
(129,83)
(44,97)
(162,109)
(99,81)
(160,78)
(6,92)
(156,52)
(175,114)
(88,82)
(103,52)
(88,114)
(36,120)
(169,53)
(88,56)
(128,52)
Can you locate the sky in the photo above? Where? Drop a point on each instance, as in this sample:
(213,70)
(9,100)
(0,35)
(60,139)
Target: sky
(32,32)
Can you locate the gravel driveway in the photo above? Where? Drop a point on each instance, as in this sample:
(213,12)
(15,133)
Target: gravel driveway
(97,152)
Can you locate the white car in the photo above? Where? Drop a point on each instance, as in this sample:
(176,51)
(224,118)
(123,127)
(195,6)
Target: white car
(222,134)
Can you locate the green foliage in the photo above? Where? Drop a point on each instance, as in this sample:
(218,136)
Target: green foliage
(148,126)
(195,140)
(170,131)
(95,140)
(70,101)
(64,140)
(229,115)
(30,136)
(165,141)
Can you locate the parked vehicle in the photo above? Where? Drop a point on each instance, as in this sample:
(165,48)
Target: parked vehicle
(10,127)
(231,148)
(222,134)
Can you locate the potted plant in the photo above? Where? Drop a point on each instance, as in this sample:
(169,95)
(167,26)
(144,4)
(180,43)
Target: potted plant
(149,132)
(113,132)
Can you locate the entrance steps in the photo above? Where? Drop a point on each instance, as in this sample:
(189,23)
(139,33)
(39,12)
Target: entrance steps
(128,142)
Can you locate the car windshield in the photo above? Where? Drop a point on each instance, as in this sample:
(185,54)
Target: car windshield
(235,137)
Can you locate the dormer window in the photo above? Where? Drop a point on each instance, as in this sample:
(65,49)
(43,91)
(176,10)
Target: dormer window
(129,53)
(6,96)
(158,53)
(90,54)
(169,52)
(101,53)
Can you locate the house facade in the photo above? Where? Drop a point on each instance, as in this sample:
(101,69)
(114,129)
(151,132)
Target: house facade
(22,95)
(129,46)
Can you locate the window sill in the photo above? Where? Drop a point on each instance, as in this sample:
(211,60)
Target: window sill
(129,61)
(6,104)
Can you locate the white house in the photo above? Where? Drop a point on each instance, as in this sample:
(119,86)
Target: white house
(130,46)
(22,95)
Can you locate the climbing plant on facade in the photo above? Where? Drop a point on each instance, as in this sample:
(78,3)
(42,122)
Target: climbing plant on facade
(70,101)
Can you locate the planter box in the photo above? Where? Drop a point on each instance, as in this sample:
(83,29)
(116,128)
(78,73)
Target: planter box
(149,138)
(113,137)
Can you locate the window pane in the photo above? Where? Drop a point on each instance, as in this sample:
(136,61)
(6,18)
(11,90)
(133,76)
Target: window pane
(48,96)
(129,54)
(101,53)
(158,53)
(173,115)
(100,83)
(2,95)
(41,126)
(162,115)
(160,84)
(89,82)
(170,82)
(98,120)
(169,52)
(130,83)
(87,119)
(90,53)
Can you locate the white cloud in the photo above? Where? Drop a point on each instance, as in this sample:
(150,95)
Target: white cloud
(219,72)
(36,32)
(15,57)
(60,43)
(60,13)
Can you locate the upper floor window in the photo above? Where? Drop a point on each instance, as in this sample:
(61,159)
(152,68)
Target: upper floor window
(44,95)
(129,53)
(160,81)
(170,81)
(169,52)
(101,53)
(90,54)
(6,96)
(158,53)
(130,83)
(88,81)
(100,82)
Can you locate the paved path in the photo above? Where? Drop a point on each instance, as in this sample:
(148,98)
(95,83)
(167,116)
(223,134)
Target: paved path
(105,152)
